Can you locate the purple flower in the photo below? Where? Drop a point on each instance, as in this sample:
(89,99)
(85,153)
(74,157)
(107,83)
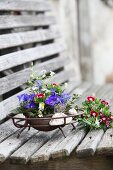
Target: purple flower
(39,83)
(26,97)
(53,91)
(65,97)
(23,97)
(53,100)
(30,105)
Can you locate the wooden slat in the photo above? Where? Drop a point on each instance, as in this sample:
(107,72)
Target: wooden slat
(21,5)
(10,21)
(6,129)
(90,143)
(28,55)
(17,39)
(44,153)
(69,144)
(90,91)
(17,79)
(12,143)
(106,145)
(23,154)
(8,105)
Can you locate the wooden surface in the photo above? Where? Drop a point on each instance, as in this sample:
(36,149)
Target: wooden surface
(35,147)
(45,51)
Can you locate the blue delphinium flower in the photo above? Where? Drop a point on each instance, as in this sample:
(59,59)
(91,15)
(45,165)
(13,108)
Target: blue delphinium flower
(39,83)
(23,97)
(65,96)
(30,105)
(53,100)
(26,97)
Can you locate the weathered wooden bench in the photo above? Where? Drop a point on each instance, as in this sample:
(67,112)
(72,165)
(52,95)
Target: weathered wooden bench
(28,34)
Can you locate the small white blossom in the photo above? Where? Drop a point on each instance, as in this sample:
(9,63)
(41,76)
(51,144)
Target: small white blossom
(97,122)
(52,73)
(66,84)
(34,88)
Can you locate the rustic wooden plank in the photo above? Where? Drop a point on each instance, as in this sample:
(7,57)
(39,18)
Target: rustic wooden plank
(23,154)
(90,91)
(83,87)
(22,38)
(11,21)
(6,129)
(63,76)
(105,146)
(8,146)
(44,153)
(90,143)
(7,105)
(28,55)
(21,5)
(17,79)
(68,144)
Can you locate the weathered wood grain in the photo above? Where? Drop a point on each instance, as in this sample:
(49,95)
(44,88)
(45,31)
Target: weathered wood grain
(23,154)
(8,146)
(15,5)
(22,38)
(28,55)
(90,143)
(7,22)
(15,80)
(6,129)
(7,105)
(90,91)
(44,153)
(68,144)
(105,147)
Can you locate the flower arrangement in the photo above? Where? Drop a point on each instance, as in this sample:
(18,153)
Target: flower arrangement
(96,114)
(43,96)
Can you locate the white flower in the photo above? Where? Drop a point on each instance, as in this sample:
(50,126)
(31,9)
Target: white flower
(97,122)
(52,73)
(34,87)
(66,84)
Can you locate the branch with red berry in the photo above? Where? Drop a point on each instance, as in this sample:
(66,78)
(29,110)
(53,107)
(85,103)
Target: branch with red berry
(96,114)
